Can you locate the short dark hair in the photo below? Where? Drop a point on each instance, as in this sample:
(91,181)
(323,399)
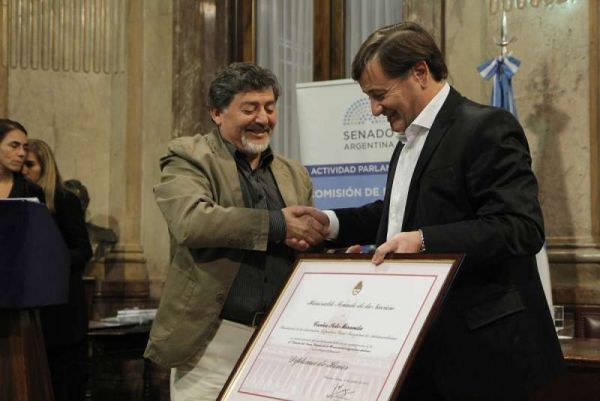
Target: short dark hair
(238,78)
(7,125)
(399,47)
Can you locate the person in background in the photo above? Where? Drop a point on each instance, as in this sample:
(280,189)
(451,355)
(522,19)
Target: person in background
(103,239)
(64,326)
(80,190)
(13,149)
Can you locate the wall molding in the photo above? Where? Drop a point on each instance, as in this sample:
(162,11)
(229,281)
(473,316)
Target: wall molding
(64,35)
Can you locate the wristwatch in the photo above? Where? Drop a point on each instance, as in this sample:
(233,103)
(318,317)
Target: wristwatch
(422,249)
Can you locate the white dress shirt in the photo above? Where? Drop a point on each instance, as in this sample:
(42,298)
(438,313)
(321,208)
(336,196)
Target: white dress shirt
(413,139)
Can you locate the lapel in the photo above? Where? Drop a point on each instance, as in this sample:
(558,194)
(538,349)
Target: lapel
(438,130)
(226,161)
(383,224)
(284,181)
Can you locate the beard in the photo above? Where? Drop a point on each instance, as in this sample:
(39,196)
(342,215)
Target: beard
(251,148)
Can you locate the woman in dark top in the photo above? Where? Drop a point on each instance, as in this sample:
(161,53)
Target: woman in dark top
(64,326)
(13,149)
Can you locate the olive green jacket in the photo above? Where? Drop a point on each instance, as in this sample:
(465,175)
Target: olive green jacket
(200,197)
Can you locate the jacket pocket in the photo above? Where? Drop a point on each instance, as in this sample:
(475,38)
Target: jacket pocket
(440,173)
(175,304)
(489,311)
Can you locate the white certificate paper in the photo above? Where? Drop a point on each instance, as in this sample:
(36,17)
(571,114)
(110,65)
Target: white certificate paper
(342,329)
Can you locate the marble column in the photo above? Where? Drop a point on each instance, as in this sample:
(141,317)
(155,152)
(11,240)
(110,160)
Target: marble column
(3,65)
(3,91)
(201,45)
(575,257)
(122,274)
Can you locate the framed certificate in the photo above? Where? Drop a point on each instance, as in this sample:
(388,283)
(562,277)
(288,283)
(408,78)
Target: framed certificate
(343,329)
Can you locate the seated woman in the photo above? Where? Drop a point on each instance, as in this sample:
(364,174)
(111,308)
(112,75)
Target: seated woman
(64,326)
(13,148)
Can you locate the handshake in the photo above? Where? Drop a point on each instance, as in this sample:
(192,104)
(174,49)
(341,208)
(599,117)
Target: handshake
(305,227)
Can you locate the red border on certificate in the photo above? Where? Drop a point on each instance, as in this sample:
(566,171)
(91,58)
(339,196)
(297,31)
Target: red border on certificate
(308,274)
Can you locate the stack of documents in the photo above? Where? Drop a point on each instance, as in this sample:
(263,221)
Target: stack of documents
(136,315)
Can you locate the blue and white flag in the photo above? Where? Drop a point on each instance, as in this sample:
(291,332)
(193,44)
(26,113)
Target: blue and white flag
(500,70)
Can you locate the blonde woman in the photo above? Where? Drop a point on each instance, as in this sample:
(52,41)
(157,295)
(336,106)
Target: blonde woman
(64,326)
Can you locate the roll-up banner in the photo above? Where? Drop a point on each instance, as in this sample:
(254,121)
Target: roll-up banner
(344,147)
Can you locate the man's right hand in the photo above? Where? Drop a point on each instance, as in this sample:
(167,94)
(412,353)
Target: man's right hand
(305,227)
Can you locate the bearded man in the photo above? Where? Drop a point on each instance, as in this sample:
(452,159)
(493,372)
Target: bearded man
(232,208)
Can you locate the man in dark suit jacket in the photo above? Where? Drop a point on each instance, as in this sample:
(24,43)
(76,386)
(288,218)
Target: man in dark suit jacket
(460,181)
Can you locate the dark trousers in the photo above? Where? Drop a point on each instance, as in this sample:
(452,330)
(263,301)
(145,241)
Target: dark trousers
(68,371)
(420,383)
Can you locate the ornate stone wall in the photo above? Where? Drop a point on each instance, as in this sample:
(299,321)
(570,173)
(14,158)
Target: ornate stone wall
(110,127)
(555,90)
(107,126)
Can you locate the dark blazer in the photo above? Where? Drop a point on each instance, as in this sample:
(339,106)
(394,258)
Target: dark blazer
(25,189)
(473,192)
(67,324)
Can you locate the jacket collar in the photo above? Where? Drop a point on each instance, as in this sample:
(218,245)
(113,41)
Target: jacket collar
(281,174)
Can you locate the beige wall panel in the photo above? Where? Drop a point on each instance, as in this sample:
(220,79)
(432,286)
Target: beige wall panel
(72,112)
